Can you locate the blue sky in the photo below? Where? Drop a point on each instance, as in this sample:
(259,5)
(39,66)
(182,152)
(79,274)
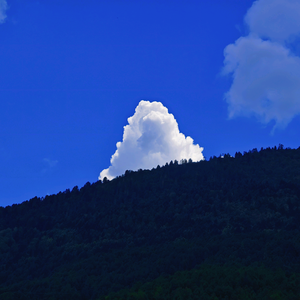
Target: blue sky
(73,72)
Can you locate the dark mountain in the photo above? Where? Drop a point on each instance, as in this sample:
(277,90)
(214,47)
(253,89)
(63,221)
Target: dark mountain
(162,234)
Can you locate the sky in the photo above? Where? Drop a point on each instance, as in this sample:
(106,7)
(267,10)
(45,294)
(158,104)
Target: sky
(90,88)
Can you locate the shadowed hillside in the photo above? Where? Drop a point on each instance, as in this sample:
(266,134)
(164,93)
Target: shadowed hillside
(134,232)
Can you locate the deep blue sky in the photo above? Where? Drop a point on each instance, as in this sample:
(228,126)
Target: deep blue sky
(72,72)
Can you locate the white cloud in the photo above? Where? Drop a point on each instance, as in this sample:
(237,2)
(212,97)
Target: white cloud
(3,8)
(266,74)
(151,138)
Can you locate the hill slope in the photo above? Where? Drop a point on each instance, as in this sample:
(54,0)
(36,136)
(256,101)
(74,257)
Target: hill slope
(84,244)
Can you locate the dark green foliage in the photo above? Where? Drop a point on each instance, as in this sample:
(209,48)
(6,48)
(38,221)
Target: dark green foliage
(217,282)
(87,243)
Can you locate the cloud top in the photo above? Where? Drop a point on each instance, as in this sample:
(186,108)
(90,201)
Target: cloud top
(265,71)
(151,138)
(3,8)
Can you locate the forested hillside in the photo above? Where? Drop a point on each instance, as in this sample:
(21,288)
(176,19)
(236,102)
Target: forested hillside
(167,233)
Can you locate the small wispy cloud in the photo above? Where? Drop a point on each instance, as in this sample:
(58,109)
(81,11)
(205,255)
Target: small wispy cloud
(49,164)
(151,138)
(264,69)
(3,8)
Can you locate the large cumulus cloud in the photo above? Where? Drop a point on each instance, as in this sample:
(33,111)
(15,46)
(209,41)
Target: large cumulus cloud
(277,20)
(151,138)
(3,8)
(264,69)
